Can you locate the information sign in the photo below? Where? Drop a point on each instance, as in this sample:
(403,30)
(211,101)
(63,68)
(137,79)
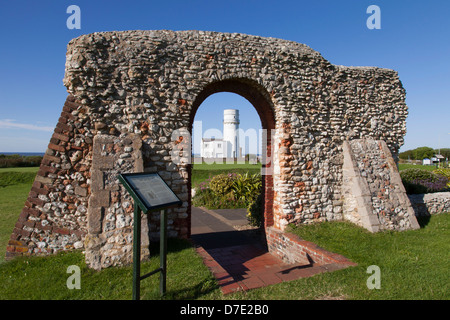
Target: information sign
(149,192)
(150,189)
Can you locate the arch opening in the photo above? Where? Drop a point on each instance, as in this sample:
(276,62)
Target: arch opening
(261,102)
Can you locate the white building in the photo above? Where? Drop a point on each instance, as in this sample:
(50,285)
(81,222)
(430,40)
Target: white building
(436,160)
(228,147)
(212,148)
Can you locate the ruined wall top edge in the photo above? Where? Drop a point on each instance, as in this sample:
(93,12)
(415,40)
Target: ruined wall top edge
(190,36)
(193,36)
(118,64)
(134,42)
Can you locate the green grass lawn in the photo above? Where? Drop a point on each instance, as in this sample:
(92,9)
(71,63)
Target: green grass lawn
(15,184)
(12,199)
(38,278)
(413,265)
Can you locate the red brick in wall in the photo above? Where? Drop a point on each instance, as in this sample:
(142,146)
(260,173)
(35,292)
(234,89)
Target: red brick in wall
(43,184)
(292,249)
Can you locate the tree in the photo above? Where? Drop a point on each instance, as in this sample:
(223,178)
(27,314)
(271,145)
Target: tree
(445,152)
(423,152)
(407,155)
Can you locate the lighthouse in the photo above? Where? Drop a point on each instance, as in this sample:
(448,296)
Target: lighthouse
(231,132)
(228,146)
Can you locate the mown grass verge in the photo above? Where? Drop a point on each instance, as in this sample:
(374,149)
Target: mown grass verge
(413,265)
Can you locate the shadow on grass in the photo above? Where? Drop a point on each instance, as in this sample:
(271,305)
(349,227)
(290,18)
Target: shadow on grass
(187,293)
(423,221)
(190,286)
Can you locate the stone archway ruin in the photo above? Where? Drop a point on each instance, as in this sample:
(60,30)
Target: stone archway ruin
(337,131)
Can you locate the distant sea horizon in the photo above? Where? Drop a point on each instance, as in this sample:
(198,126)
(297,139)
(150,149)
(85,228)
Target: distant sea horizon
(24,154)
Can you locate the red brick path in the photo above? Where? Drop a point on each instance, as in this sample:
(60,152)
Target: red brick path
(244,267)
(239,260)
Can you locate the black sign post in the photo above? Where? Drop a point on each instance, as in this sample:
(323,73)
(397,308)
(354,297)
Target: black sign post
(150,193)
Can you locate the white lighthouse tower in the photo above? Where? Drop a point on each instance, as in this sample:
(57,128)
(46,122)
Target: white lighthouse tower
(231,133)
(228,146)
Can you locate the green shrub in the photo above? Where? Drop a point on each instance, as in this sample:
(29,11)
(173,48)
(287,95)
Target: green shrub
(444,172)
(209,199)
(423,181)
(412,188)
(254,212)
(222,183)
(16,160)
(228,191)
(409,175)
(247,187)
(203,198)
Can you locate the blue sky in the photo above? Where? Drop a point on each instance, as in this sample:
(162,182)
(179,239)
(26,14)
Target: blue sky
(413,40)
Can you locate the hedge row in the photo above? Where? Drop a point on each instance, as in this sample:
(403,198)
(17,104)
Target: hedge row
(423,181)
(15,160)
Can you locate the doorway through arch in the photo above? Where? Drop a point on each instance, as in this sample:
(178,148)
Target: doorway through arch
(260,99)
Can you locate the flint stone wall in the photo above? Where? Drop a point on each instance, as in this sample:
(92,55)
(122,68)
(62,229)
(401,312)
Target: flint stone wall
(373,192)
(110,207)
(430,203)
(150,83)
